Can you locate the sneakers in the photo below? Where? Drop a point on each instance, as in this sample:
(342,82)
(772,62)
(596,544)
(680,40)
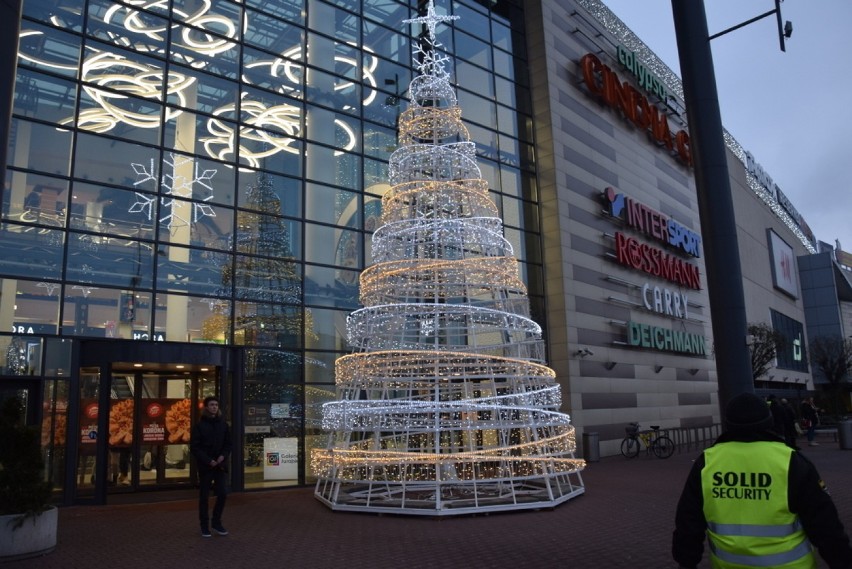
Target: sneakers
(813,444)
(218,528)
(206,532)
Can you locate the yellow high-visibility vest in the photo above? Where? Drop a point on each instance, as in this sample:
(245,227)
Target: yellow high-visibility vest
(749,523)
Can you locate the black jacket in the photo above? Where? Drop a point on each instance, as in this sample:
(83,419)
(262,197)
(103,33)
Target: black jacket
(806,497)
(211,438)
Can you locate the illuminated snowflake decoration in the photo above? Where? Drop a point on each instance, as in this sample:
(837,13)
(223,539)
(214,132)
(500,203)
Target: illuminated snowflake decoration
(175,184)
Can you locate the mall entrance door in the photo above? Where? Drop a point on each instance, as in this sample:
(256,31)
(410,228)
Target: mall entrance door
(152,410)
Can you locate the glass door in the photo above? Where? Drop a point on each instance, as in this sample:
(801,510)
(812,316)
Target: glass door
(151,416)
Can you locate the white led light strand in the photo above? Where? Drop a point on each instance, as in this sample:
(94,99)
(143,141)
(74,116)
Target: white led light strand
(446,406)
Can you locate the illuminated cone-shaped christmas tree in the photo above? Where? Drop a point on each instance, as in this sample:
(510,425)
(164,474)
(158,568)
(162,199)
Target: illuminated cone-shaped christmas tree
(446,407)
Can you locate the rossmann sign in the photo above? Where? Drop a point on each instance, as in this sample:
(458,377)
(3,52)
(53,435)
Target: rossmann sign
(604,83)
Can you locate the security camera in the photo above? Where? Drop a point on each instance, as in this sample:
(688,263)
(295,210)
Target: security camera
(788,29)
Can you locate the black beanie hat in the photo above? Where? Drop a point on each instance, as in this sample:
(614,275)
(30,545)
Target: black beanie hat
(747,411)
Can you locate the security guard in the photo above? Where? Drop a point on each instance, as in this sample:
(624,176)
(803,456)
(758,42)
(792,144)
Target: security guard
(760,503)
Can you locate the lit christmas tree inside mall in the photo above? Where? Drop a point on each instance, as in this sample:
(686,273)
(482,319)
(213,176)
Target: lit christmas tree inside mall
(446,406)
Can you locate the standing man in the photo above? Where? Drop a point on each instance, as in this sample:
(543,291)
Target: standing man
(759,502)
(210,444)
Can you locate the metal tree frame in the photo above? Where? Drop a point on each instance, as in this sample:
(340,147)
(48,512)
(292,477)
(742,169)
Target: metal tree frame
(446,407)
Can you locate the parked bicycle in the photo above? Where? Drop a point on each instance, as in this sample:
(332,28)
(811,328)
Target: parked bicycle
(654,440)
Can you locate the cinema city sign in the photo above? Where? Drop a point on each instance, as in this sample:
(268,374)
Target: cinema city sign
(604,83)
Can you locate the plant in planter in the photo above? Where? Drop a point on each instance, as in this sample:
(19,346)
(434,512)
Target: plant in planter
(25,506)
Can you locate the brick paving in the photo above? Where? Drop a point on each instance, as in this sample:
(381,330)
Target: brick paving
(625,519)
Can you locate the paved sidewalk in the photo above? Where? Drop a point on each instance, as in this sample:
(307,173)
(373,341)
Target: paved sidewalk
(625,519)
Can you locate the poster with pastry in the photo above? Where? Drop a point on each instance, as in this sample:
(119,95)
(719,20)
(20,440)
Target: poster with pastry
(179,421)
(121,422)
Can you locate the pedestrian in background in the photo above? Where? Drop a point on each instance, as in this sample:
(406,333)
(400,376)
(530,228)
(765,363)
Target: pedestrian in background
(810,420)
(759,502)
(210,444)
(788,422)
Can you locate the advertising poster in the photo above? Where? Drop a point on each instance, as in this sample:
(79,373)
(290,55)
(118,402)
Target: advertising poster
(89,422)
(153,421)
(281,458)
(121,422)
(257,418)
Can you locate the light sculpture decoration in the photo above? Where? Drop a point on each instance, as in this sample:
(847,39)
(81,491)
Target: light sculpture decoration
(446,407)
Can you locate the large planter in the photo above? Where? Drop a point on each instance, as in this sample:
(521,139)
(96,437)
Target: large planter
(35,536)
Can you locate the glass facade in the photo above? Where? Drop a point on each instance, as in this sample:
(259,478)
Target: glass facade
(209,173)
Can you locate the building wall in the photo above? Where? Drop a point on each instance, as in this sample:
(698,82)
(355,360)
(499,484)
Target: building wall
(607,383)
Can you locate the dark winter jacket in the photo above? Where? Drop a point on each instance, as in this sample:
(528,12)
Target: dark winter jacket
(211,438)
(807,498)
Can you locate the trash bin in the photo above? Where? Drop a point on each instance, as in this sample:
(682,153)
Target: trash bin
(844,433)
(592,447)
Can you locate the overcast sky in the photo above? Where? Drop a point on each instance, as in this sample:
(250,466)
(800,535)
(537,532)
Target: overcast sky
(792,110)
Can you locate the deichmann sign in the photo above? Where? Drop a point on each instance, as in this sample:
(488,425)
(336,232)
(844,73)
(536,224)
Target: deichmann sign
(647,80)
(665,339)
(604,83)
(652,223)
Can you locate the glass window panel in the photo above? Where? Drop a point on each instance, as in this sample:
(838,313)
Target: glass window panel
(51,99)
(204,92)
(333,22)
(180,318)
(510,181)
(267,280)
(387,12)
(102,312)
(501,35)
(109,211)
(277,195)
(34,198)
(125,117)
(480,110)
(510,150)
(490,172)
(275,151)
(187,131)
(330,327)
(333,92)
(507,120)
(58,354)
(271,34)
(218,16)
(485,139)
(380,142)
(384,109)
(333,246)
(329,286)
(103,260)
(48,49)
(192,271)
(194,223)
(332,166)
(100,159)
(213,53)
(30,307)
(332,205)
(40,147)
(138,30)
(375,173)
(31,251)
(268,235)
(262,324)
(319,368)
(385,42)
(278,73)
(505,92)
(512,211)
(190,177)
(472,50)
(288,10)
(504,63)
(61,13)
(527,155)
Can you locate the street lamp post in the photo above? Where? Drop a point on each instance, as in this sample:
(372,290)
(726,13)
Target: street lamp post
(715,202)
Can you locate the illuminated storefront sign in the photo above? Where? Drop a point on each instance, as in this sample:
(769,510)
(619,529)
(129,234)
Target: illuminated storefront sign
(654,261)
(605,83)
(665,339)
(664,301)
(647,80)
(653,223)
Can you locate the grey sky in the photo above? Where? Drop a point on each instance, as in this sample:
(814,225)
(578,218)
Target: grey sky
(791,110)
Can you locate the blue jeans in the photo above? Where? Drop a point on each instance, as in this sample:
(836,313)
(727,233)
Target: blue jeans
(217,477)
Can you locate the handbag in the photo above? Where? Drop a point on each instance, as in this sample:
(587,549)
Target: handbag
(799,430)
(806,423)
